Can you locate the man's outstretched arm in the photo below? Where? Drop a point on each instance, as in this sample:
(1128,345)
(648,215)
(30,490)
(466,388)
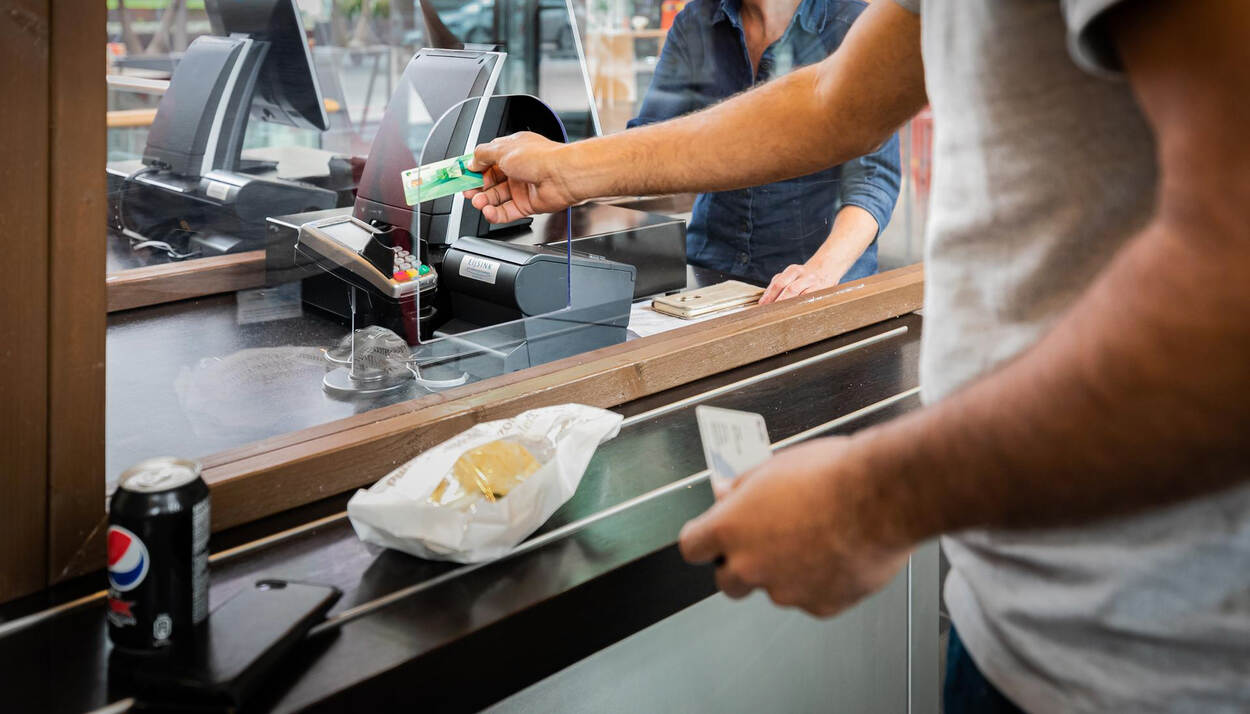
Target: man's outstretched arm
(1138,397)
(811,119)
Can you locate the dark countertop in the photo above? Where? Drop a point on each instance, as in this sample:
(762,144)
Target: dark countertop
(540,610)
(171,390)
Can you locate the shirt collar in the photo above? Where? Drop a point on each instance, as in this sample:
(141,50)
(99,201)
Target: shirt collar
(812,14)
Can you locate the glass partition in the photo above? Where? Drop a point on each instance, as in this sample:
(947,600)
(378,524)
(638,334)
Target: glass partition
(438,297)
(542,42)
(353,298)
(218,111)
(246,214)
(346,55)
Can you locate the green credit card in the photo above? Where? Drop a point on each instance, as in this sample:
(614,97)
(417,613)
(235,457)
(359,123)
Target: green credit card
(441,178)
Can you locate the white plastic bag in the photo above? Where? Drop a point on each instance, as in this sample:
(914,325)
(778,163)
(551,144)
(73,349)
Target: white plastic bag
(397,511)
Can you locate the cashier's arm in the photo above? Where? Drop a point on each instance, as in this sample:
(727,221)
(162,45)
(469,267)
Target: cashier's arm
(811,119)
(1138,398)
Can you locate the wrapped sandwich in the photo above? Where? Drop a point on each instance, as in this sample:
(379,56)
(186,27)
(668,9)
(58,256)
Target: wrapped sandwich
(476,496)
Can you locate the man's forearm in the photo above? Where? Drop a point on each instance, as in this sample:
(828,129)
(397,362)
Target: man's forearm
(811,119)
(1137,398)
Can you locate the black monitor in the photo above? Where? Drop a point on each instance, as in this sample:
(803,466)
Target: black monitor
(286,91)
(434,82)
(259,65)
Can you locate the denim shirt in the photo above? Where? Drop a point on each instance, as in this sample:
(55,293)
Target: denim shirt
(755,233)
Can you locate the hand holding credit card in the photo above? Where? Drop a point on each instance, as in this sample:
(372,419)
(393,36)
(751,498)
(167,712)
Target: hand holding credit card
(438,179)
(734,442)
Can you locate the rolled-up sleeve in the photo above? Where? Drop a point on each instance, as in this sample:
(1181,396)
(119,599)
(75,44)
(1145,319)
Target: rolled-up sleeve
(672,90)
(871,182)
(1088,42)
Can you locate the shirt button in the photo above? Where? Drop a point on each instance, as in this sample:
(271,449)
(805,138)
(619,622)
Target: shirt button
(743,258)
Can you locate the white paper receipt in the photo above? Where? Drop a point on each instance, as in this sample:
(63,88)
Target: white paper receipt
(734,442)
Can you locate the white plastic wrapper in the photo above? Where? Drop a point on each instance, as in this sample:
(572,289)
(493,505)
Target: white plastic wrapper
(399,511)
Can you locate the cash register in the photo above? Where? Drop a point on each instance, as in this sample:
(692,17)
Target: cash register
(469,298)
(196,191)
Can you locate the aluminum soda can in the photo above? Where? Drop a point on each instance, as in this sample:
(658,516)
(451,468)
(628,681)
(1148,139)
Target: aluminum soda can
(158,555)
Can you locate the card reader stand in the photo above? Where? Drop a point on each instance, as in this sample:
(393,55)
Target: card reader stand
(374,264)
(511,306)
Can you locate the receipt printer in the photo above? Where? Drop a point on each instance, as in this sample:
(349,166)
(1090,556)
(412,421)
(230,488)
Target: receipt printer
(549,304)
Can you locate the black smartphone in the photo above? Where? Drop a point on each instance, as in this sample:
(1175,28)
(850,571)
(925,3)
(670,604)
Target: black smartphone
(243,640)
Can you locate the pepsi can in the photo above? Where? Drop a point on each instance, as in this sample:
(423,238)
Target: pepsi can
(158,555)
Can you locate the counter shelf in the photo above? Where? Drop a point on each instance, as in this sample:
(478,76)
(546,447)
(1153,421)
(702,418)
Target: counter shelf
(413,633)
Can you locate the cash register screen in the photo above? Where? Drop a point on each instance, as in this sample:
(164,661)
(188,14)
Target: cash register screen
(434,81)
(349,234)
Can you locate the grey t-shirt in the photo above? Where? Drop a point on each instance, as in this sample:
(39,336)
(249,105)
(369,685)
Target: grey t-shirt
(1044,166)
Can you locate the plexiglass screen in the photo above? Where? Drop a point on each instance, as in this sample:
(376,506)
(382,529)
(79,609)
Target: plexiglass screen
(269,269)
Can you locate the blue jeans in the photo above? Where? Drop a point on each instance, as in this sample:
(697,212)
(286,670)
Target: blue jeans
(966,690)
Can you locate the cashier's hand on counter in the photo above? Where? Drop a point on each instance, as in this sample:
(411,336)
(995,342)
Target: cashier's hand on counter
(804,528)
(854,229)
(521,177)
(800,279)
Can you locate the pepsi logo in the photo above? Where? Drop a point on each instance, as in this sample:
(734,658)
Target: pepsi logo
(128,559)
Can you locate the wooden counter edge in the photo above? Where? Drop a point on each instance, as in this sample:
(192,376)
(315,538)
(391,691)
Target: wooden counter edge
(637,349)
(155,284)
(294,469)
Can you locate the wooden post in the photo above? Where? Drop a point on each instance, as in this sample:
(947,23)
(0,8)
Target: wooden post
(25,36)
(52,312)
(77,316)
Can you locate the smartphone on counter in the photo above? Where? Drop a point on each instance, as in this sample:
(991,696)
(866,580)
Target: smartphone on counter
(690,304)
(243,641)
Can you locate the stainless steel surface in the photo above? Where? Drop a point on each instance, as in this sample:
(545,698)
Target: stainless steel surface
(924,595)
(747,656)
(751,656)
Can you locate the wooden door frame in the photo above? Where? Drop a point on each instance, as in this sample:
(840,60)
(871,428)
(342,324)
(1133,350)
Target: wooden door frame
(53,318)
